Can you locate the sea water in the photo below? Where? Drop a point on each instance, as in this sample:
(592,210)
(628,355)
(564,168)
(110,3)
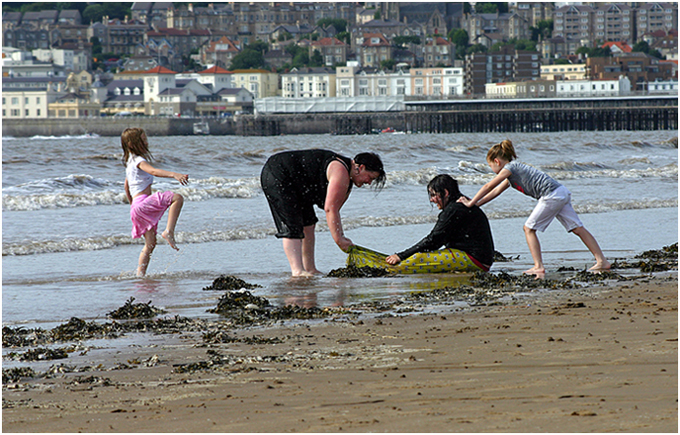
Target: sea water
(67,250)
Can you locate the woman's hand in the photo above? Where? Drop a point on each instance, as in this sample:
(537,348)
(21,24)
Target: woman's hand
(344,243)
(393,259)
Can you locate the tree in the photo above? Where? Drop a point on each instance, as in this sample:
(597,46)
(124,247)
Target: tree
(247,59)
(594,52)
(94,12)
(388,64)
(643,47)
(562,61)
(316,59)
(461,40)
(543,30)
(344,37)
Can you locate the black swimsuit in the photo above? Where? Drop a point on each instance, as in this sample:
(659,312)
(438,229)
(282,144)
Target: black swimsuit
(295,181)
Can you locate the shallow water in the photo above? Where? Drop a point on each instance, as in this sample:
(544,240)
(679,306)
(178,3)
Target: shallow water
(67,249)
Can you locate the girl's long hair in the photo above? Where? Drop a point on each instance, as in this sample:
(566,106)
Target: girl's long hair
(503,150)
(442,183)
(133,143)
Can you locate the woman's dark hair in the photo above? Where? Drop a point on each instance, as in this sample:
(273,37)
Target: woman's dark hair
(443,182)
(372,163)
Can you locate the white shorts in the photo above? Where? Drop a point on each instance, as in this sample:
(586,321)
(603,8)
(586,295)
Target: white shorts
(557,204)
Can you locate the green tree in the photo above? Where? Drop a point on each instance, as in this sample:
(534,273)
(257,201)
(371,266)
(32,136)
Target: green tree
(594,52)
(477,48)
(562,61)
(344,37)
(459,37)
(301,59)
(316,60)
(543,30)
(94,12)
(486,8)
(388,64)
(376,15)
(247,59)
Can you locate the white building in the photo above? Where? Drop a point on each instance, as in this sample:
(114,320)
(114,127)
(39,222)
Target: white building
(593,88)
(308,83)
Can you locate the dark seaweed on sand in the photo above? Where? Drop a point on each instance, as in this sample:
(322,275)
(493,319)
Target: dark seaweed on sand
(135,311)
(658,260)
(244,308)
(227,282)
(359,272)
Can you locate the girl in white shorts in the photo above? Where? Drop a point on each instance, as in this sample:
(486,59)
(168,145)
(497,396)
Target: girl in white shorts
(554,201)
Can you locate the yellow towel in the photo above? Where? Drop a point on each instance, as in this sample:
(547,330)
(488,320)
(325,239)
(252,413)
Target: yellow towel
(444,260)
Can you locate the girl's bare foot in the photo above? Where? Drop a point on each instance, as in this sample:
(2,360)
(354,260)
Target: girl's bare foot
(170,238)
(600,266)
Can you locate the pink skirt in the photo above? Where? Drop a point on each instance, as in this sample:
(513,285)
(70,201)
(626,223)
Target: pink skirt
(146,211)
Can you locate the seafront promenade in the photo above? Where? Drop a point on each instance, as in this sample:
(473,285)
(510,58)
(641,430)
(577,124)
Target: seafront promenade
(441,116)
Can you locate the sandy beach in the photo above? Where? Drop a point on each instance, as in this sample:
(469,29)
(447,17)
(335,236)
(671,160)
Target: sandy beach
(596,359)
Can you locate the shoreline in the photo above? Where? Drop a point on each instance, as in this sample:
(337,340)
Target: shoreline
(594,359)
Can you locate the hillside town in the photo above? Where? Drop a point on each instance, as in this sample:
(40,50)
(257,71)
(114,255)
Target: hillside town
(224,59)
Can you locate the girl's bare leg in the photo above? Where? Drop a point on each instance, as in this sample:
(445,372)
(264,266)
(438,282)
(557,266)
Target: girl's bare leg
(308,250)
(535,249)
(293,250)
(147,250)
(173,215)
(601,262)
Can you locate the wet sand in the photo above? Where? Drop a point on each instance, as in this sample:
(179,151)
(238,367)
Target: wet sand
(600,359)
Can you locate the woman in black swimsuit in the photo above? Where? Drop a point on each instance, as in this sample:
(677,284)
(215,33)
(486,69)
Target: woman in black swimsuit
(295,181)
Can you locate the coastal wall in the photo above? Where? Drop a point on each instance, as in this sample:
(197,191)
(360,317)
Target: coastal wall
(446,117)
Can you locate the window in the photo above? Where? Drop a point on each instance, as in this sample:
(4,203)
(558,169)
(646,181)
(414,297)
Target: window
(26,112)
(15,101)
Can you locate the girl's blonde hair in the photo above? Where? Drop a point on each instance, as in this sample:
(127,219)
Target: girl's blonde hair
(503,150)
(132,141)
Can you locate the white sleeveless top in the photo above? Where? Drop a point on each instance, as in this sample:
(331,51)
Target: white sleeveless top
(137,179)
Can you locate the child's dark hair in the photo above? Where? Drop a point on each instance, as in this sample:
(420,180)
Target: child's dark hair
(503,150)
(442,183)
(372,163)
(133,143)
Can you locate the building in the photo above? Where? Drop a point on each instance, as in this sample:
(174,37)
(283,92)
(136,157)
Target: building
(639,68)
(654,16)
(438,52)
(433,82)
(260,83)
(308,83)
(120,37)
(375,48)
(593,88)
(506,65)
(219,53)
(333,51)
(563,72)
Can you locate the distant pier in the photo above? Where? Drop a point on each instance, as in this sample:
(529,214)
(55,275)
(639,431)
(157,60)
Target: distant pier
(446,116)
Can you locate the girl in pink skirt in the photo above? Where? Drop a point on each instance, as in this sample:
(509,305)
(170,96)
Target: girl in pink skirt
(146,209)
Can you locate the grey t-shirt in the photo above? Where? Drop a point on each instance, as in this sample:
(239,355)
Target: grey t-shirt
(530,180)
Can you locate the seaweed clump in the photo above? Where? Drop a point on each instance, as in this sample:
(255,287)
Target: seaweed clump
(359,272)
(657,260)
(244,308)
(228,282)
(39,354)
(135,311)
